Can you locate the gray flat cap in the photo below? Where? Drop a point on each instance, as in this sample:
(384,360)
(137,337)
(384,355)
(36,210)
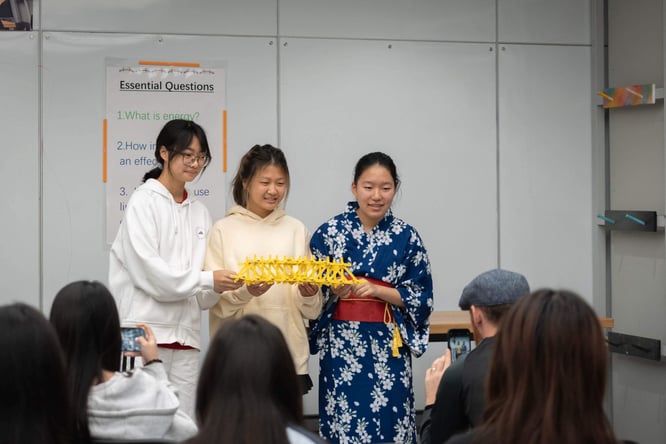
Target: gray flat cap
(494,287)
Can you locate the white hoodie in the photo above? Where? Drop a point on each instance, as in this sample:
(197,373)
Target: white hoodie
(156,261)
(138,405)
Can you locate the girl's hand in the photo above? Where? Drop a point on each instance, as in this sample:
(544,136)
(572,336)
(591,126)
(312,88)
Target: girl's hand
(308,290)
(341,291)
(257,290)
(148,344)
(223,280)
(365,288)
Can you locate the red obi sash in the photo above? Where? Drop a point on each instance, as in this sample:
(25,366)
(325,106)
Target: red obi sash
(176,346)
(364,308)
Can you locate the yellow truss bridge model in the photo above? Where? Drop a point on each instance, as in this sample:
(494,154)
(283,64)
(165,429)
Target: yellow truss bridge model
(295,270)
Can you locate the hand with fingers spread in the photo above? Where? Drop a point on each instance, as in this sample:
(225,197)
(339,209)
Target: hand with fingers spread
(434,375)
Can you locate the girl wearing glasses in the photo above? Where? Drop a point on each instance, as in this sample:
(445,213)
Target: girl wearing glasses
(156,260)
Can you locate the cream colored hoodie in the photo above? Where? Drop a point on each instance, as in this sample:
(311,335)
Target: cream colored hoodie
(241,234)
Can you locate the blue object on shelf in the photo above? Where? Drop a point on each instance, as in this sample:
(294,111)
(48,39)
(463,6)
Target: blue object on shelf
(629,220)
(607,219)
(635,219)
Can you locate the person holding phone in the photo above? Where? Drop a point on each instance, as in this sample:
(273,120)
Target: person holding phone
(547,378)
(369,330)
(455,391)
(156,259)
(108,404)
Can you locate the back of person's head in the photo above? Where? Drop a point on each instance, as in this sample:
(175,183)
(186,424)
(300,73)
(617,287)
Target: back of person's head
(85,318)
(493,292)
(257,158)
(34,402)
(547,378)
(176,136)
(248,389)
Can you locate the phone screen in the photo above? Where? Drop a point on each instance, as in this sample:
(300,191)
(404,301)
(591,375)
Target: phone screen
(129,335)
(460,343)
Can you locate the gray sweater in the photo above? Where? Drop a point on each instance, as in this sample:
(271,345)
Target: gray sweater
(138,405)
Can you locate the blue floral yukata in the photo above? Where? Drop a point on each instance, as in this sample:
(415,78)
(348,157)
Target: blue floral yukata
(365,393)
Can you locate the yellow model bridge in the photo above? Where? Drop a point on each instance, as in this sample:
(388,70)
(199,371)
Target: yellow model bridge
(295,270)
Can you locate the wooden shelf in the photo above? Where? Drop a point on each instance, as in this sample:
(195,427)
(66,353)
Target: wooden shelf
(442,321)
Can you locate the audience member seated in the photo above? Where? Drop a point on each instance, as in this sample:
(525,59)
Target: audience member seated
(34,402)
(109,404)
(248,390)
(547,376)
(455,394)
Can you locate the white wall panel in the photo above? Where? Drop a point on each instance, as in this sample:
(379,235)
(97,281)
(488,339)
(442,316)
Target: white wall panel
(74,107)
(431,107)
(545,112)
(456,20)
(198,17)
(19,168)
(544,21)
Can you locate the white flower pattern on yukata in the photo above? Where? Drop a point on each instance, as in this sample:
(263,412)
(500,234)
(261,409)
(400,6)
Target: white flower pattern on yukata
(367,393)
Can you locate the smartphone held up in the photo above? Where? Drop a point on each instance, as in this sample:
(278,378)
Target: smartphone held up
(129,336)
(460,343)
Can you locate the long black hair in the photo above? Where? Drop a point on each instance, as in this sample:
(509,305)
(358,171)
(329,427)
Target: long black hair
(248,391)
(34,401)
(85,318)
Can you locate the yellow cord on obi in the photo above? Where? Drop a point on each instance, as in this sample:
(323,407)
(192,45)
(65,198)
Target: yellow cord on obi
(397,340)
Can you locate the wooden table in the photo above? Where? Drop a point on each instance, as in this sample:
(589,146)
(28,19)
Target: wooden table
(442,321)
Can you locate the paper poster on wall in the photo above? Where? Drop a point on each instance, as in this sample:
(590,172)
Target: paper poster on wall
(140,99)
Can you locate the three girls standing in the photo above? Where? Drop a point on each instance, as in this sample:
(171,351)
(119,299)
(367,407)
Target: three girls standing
(367,331)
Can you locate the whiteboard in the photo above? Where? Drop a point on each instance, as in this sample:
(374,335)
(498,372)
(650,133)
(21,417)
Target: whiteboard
(74,97)
(431,106)
(545,161)
(19,168)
